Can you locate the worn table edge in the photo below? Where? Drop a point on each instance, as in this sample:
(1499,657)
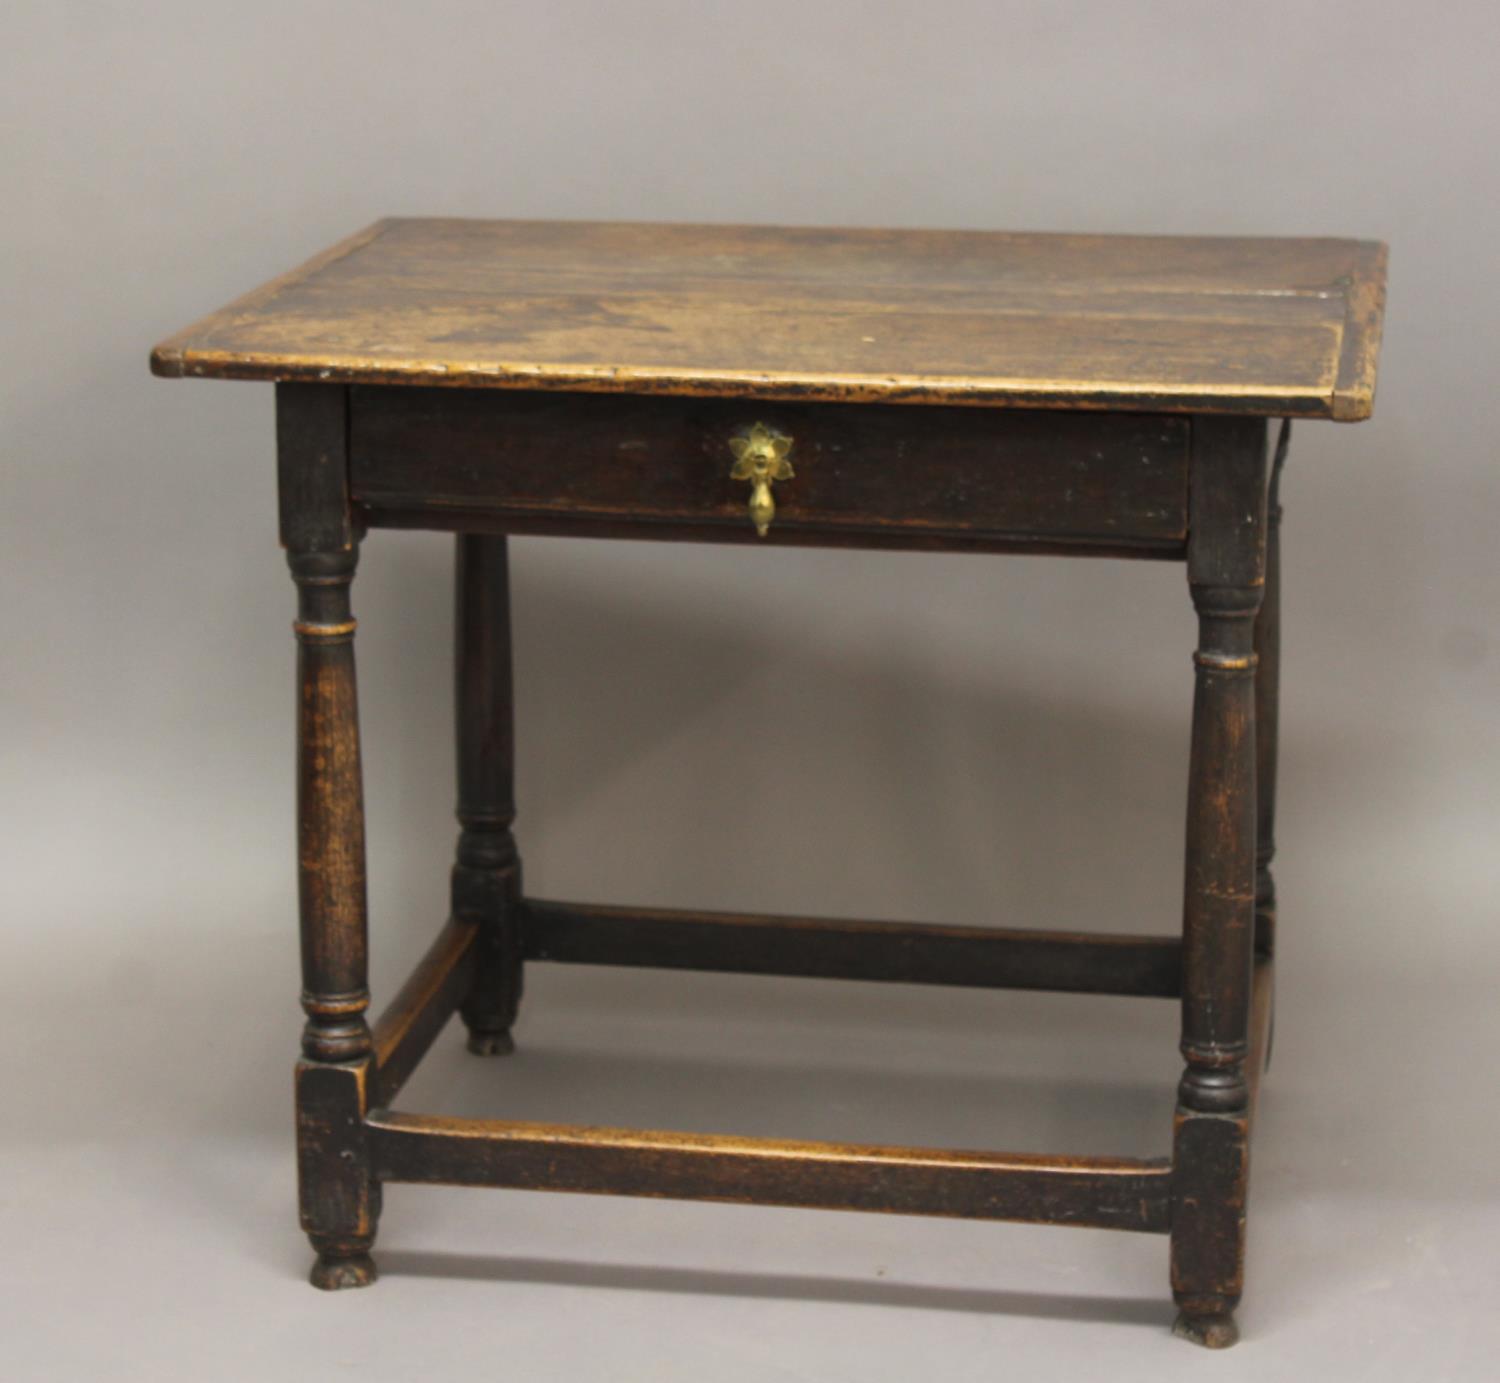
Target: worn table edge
(1123,396)
(170,359)
(1353,398)
(1350,400)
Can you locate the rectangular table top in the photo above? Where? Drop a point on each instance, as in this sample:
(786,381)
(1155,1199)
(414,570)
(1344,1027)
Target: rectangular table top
(1283,327)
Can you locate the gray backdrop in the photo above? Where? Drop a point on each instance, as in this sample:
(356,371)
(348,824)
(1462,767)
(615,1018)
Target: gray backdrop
(946,738)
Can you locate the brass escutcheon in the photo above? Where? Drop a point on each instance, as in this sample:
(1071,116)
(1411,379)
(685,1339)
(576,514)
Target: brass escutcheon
(760,456)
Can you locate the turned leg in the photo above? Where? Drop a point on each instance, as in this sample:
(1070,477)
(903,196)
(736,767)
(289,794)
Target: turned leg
(487,873)
(1267,717)
(1267,693)
(339,1196)
(1211,1128)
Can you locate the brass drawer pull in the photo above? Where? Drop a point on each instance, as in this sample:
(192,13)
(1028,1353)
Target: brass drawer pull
(761,456)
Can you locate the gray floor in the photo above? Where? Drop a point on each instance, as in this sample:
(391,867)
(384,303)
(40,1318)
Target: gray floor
(149,1227)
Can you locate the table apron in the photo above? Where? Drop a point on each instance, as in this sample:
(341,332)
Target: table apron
(863,475)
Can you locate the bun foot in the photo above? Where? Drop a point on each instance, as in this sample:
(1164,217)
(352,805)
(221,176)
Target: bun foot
(492,1043)
(330,1274)
(1216,1331)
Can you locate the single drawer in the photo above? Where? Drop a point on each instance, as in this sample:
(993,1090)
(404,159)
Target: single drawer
(855,474)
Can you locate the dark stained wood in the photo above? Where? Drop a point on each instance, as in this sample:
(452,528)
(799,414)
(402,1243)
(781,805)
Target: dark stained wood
(1083,395)
(423,1006)
(1210,1179)
(1262,1004)
(339,1196)
(1097,1192)
(1154,323)
(1210,1187)
(312,441)
(894,539)
(330,814)
(330,805)
(977,475)
(827,948)
(486,882)
(1226,565)
(1267,703)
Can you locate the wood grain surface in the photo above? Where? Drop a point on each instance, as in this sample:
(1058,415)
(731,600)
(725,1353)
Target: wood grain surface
(969,474)
(1156,323)
(1096,1192)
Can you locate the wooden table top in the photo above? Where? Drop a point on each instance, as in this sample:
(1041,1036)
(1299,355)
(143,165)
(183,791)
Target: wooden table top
(1157,323)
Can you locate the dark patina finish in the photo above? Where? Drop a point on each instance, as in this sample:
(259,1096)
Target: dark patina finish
(1080,395)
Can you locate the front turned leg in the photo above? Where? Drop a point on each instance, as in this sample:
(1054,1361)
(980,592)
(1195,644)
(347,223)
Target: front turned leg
(338,1193)
(340,1200)
(486,886)
(1210,1150)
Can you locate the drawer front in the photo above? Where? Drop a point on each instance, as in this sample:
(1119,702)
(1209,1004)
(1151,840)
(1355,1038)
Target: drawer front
(861,474)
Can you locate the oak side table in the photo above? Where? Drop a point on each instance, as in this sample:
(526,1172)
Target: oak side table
(1087,396)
